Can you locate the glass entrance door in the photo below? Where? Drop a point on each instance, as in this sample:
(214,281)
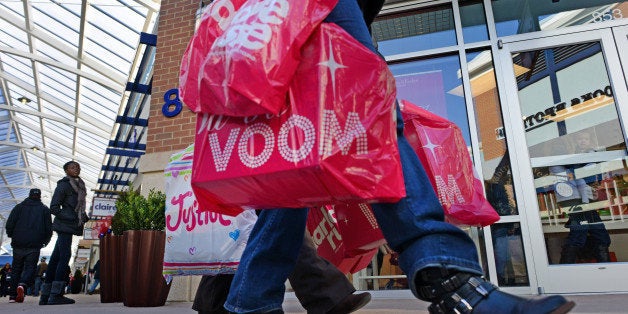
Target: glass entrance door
(567,107)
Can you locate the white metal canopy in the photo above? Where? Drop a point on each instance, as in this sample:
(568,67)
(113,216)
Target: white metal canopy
(64,69)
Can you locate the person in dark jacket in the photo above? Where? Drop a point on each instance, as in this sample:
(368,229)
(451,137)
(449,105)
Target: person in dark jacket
(30,228)
(68,206)
(5,275)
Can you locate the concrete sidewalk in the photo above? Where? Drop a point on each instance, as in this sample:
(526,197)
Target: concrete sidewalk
(589,304)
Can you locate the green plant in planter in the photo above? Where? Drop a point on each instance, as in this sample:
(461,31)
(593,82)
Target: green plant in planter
(136,212)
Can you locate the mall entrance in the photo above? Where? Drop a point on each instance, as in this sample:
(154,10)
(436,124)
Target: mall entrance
(565,104)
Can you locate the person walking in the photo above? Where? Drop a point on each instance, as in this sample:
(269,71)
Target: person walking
(68,207)
(440,259)
(39,276)
(5,275)
(96,277)
(30,228)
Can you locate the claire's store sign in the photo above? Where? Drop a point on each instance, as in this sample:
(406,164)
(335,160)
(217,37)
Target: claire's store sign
(103,206)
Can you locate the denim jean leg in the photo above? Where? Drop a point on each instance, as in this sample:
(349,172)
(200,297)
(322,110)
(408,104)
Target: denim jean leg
(348,16)
(36,286)
(60,258)
(52,265)
(268,259)
(416,228)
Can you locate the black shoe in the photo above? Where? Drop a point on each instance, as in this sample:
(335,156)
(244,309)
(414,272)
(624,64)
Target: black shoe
(56,299)
(478,296)
(43,299)
(351,303)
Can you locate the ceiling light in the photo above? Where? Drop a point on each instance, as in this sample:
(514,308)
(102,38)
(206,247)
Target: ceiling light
(35,148)
(24,100)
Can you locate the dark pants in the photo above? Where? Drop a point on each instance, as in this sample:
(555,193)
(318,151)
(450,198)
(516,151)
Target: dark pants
(317,284)
(37,286)
(58,266)
(24,268)
(583,224)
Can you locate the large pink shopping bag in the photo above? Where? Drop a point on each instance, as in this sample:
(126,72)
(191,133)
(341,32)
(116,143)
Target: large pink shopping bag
(346,235)
(442,150)
(214,20)
(250,65)
(335,143)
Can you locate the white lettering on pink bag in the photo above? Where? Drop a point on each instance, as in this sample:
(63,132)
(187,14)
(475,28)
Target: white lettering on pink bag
(326,229)
(222,12)
(251,26)
(354,131)
(448,193)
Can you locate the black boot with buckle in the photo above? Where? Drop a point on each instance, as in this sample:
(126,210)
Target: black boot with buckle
(458,292)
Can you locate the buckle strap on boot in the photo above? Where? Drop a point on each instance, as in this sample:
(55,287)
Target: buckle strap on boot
(441,287)
(465,298)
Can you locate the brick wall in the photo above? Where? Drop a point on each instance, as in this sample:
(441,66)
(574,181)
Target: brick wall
(176,27)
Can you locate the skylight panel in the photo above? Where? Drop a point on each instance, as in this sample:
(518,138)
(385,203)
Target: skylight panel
(61,130)
(57,22)
(13,36)
(55,54)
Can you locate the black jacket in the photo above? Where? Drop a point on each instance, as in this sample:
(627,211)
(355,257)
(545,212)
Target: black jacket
(29,224)
(62,205)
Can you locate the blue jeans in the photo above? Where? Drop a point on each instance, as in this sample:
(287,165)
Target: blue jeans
(37,286)
(414,226)
(58,266)
(94,285)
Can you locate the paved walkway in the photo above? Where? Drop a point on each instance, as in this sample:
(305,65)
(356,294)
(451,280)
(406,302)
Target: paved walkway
(589,304)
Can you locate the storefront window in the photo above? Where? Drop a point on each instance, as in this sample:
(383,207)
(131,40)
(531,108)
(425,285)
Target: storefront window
(524,16)
(416,31)
(577,151)
(510,259)
(433,85)
(473,21)
(492,138)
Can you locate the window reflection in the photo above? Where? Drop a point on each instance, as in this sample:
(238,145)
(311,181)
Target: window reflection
(473,21)
(492,138)
(433,85)
(518,17)
(510,259)
(427,28)
(577,152)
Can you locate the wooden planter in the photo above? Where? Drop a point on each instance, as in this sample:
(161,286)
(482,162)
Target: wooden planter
(111,258)
(143,282)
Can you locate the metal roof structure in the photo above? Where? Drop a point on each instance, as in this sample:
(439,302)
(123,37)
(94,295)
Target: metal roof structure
(74,82)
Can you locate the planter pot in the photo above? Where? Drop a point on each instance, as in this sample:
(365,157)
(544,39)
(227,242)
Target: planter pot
(111,258)
(143,282)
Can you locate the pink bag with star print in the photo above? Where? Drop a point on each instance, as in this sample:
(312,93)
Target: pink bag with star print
(335,141)
(441,148)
